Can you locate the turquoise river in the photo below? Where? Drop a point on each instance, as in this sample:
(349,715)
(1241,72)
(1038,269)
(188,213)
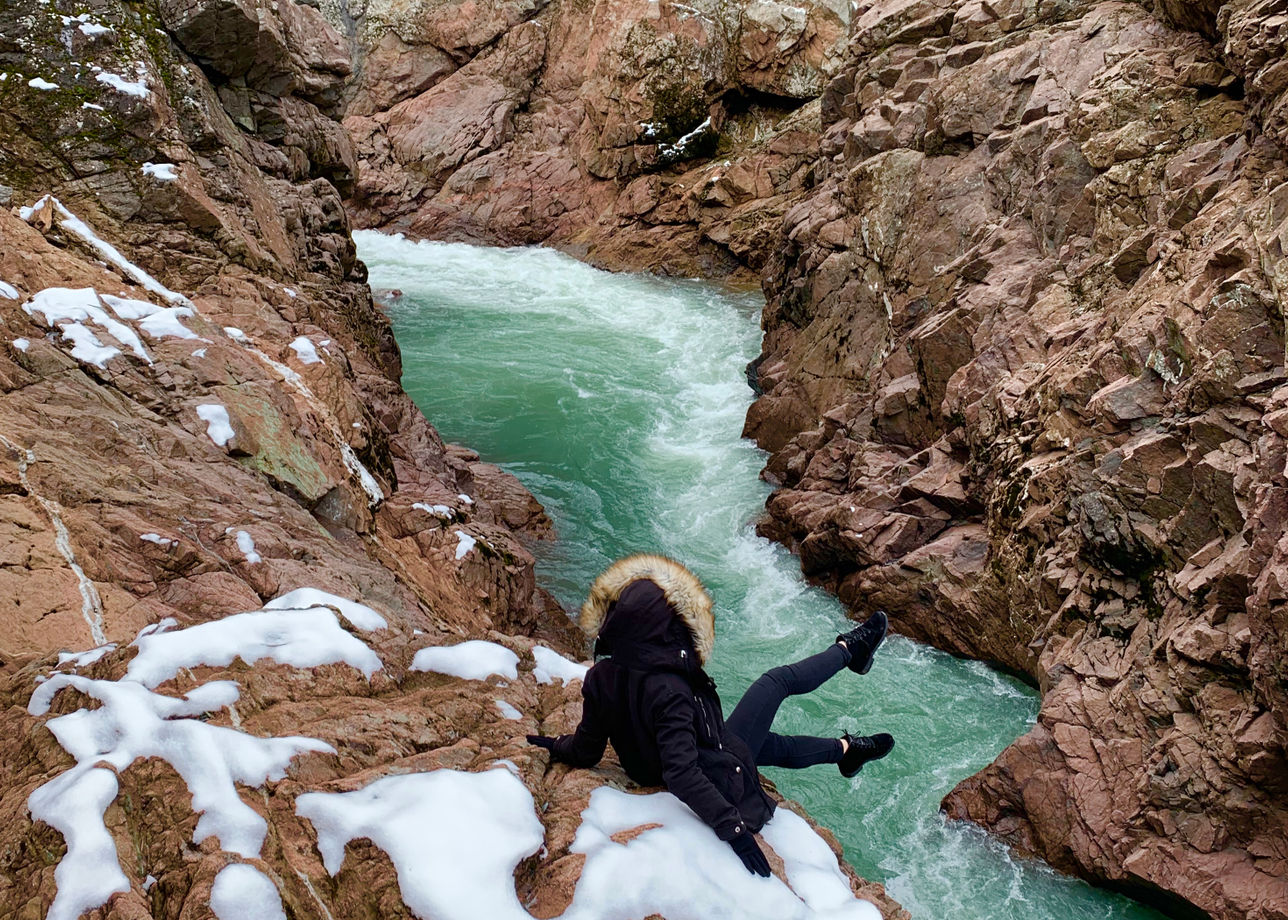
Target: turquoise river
(618,400)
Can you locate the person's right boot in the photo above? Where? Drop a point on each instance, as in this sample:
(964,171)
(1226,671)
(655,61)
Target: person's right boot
(862,641)
(863,749)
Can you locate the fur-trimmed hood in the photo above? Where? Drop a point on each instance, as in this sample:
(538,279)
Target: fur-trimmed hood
(682,589)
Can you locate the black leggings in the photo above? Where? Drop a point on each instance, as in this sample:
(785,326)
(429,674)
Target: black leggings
(754,714)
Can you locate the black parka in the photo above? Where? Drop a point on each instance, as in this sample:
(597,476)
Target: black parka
(651,698)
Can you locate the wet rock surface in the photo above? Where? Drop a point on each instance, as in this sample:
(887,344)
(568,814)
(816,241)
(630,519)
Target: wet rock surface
(199,413)
(1022,381)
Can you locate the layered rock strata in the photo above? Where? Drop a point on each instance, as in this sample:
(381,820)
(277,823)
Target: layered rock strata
(1023,380)
(227,533)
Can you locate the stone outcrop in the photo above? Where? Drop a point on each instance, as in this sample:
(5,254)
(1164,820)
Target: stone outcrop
(199,414)
(634,133)
(324,441)
(1023,380)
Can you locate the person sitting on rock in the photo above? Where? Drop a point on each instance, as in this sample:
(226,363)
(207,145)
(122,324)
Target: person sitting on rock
(648,694)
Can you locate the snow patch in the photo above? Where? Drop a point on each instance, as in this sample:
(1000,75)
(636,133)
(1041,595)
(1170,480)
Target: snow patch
(165,624)
(812,870)
(86,347)
(199,353)
(687,12)
(471,660)
(464,543)
(508,711)
(155,321)
(454,838)
(21,344)
(85,659)
(69,309)
(299,638)
(682,871)
(305,351)
(235,334)
(246,544)
(360,615)
(87,27)
(438,511)
(89,873)
(9,291)
(134,723)
(465,498)
(162,172)
(157,539)
(681,147)
(110,253)
(137,88)
(41,84)
(552,666)
(218,425)
(242,892)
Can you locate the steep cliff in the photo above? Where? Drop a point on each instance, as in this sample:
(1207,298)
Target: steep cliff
(203,395)
(633,133)
(239,572)
(1023,381)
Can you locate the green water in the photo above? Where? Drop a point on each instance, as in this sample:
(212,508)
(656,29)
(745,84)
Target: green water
(618,400)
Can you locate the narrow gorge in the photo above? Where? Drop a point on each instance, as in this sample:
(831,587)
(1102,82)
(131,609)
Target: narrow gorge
(268,638)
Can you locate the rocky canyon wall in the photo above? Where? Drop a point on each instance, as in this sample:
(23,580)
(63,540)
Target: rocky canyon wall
(1024,341)
(1023,386)
(225,531)
(633,133)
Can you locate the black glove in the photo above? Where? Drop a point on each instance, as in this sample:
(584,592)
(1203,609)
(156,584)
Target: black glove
(750,853)
(542,741)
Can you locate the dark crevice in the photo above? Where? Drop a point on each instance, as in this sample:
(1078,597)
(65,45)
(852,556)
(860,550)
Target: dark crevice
(743,99)
(1231,87)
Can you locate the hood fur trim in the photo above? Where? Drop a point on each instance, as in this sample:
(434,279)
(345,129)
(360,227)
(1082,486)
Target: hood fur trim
(683,591)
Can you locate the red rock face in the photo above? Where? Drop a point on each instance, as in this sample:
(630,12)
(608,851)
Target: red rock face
(635,134)
(200,412)
(1022,376)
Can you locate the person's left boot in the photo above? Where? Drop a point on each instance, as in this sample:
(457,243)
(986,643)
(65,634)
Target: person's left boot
(863,749)
(862,641)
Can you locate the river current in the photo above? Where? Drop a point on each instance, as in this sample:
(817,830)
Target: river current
(618,401)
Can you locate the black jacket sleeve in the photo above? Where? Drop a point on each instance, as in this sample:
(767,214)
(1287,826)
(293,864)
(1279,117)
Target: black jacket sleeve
(585,746)
(672,716)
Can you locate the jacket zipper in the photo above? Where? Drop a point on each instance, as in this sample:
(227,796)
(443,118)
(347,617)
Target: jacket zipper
(702,714)
(706,726)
